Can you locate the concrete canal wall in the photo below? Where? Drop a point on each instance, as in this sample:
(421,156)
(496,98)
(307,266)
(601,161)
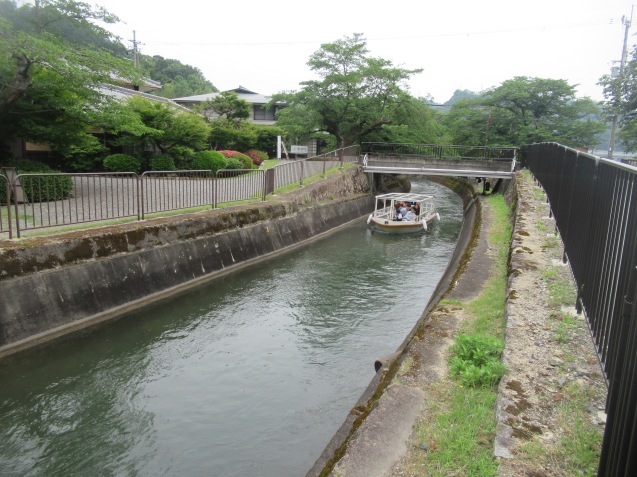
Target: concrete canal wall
(50,286)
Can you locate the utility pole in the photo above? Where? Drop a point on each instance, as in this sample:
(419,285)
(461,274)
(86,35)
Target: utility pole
(626,22)
(135,51)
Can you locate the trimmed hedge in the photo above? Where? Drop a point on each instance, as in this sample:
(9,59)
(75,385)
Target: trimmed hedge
(234,164)
(245,160)
(122,163)
(257,156)
(209,160)
(162,162)
(42,189)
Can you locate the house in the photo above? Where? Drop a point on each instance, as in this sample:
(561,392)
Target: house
(260,114)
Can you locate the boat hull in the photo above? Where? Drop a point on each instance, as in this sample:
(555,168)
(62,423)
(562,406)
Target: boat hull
(395,226)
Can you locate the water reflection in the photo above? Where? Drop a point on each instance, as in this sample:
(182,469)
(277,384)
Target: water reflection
(249,375)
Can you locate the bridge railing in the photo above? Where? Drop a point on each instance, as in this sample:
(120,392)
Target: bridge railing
(594,202)
(434,151)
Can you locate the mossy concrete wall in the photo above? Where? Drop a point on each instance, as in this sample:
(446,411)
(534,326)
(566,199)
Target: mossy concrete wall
(53,285)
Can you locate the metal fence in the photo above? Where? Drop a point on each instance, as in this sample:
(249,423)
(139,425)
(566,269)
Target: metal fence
(594,202)
(35,201)
(432,151)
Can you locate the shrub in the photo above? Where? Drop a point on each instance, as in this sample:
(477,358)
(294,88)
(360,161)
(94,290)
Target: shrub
(257,156)
(162,162)
(245,160)
(234,164)
(182,156)
(42,189)
(122,163)
(476,360)
(209,160)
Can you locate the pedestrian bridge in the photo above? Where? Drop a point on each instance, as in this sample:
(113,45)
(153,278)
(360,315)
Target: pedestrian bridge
(433,160)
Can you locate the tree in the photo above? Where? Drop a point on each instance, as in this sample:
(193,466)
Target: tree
(526,110)
(50,88)
(147,124)
(227,105)
(620,93)
(355,96)
(178,80)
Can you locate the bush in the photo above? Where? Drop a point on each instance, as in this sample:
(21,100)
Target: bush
(245,160)
(209,160)
(257,156)
(42,189)
(182,156)
(162,162)
(122,163)
(234,164)
(476,360)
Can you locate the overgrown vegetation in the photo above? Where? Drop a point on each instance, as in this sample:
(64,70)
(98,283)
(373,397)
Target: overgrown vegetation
(460,437)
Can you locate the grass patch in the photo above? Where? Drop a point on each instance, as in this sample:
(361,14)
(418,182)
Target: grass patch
(580,442)
(460,436)
(561,291)
(460,441)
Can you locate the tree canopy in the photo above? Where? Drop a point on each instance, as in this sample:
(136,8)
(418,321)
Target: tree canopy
(177,79)
(620,93)
(525,110)
(355,96)
(51,87)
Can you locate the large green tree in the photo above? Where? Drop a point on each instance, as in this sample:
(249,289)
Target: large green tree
(151,125)
(525,110)
(620,93)
(50,84)
(355,95)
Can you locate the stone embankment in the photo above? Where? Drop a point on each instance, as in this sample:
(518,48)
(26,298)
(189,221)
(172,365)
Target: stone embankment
(54,284)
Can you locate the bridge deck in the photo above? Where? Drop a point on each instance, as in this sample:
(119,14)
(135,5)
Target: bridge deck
(458,167)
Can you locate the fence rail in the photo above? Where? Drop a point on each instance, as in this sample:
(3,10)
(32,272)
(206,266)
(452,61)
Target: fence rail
(36,201)
(594,202)
(432,151)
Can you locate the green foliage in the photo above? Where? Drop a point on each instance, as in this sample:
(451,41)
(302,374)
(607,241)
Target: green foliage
(475,360)
(227,105)
(257,156)
(355,96)
(38,188)
(178,80)
(162,162)
(50,77)
(620,93)
(246,162)
(234,164)
(224,135)
(122,163)
(149,124)
(525,110)
(209,160)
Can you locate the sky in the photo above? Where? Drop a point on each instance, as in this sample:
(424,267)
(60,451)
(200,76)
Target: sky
(460,44)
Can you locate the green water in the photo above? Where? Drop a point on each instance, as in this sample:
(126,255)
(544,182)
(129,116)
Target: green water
(249,375)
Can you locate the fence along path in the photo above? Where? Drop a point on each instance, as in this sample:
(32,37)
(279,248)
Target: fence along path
(61,199)
(594,202)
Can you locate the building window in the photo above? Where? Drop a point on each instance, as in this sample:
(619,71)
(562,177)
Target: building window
(262,114)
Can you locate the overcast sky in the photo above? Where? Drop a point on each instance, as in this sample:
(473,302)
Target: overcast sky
(460,44)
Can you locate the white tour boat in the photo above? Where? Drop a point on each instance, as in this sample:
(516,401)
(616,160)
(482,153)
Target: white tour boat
(402,212)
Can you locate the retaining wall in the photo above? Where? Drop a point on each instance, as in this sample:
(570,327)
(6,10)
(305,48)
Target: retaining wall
(50,286)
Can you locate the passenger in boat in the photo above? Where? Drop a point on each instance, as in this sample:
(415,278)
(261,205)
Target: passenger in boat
(409,214)
(416,209)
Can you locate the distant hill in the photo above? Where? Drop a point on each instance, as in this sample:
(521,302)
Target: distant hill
(457,96)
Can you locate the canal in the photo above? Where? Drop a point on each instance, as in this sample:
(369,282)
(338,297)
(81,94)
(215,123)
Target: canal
(249,374)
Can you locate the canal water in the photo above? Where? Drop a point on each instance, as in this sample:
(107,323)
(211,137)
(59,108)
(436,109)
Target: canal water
(250,374)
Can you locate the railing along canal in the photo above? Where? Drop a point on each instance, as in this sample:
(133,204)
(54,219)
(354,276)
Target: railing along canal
(36,201)
(594,202)
(432,151)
